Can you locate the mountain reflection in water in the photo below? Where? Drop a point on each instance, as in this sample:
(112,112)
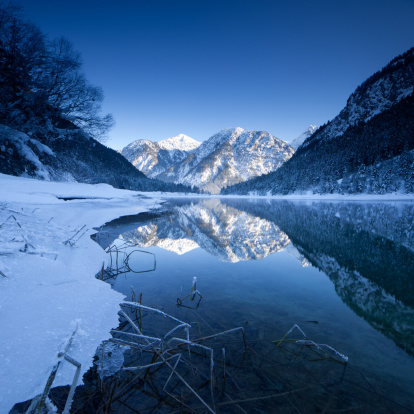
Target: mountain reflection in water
(366,249)
(228,233)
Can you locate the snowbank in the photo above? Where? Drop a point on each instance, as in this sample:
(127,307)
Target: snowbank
(47,285)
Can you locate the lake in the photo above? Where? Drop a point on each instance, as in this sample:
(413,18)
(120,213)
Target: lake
(343,272)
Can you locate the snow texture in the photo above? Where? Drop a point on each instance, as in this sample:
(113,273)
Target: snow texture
(20,140)
(228,157)
(374,96)
(155,158)
(48,288)
(297,142)
(181,142)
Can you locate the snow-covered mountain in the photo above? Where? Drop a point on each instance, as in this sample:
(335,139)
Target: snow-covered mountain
(231,156)
(228,157)
(73,157)
(180,142)
(155,158)
(374,96)
(297,142)
(368,147)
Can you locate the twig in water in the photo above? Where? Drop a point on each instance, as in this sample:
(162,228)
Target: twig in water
(308,342)
(192,295)
(225,333)
(223,375)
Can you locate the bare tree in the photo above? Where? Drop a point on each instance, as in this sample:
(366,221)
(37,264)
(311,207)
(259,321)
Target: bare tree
(41,82)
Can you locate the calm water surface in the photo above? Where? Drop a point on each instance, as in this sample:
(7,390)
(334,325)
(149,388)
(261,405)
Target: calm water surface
(343,272)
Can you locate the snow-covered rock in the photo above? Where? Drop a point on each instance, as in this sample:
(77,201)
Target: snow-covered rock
(228,157)
(180,142)
(297,142)
(377,94)
(154,158)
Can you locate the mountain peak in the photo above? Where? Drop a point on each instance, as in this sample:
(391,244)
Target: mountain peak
(312,128)
(366,148)
(229,156)
(233,131)
(297,142)
(181,142)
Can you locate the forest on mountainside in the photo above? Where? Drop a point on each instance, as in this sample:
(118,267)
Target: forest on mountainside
(375,157)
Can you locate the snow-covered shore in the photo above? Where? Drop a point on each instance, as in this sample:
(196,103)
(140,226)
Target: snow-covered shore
(47,286)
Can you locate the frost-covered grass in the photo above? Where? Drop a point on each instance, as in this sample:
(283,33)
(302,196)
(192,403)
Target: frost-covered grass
(47,282)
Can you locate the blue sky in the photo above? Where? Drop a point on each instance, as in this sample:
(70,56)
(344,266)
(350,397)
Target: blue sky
(199,66)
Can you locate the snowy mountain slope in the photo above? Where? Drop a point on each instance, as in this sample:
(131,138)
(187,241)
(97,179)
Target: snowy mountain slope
(235,155)
(154,158)
(73,156)
(377,94)
(180,142)
(297,142)
(142,154)
(15,145)
(353,152)
(228,157)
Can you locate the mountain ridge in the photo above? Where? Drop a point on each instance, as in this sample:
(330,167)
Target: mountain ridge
(181,142)
(298,141)
(367,148)
(229,156)
(376,94)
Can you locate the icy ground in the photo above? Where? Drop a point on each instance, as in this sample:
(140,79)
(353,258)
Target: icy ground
(48,288)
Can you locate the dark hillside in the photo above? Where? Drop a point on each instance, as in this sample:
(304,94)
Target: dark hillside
(367,148)
(50,115)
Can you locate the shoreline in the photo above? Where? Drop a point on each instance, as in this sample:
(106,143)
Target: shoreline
(49,263)
(48,285)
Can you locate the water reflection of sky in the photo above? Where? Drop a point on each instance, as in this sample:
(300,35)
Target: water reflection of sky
(347,266)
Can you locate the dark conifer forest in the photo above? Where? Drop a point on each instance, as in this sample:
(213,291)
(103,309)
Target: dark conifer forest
(367,148)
